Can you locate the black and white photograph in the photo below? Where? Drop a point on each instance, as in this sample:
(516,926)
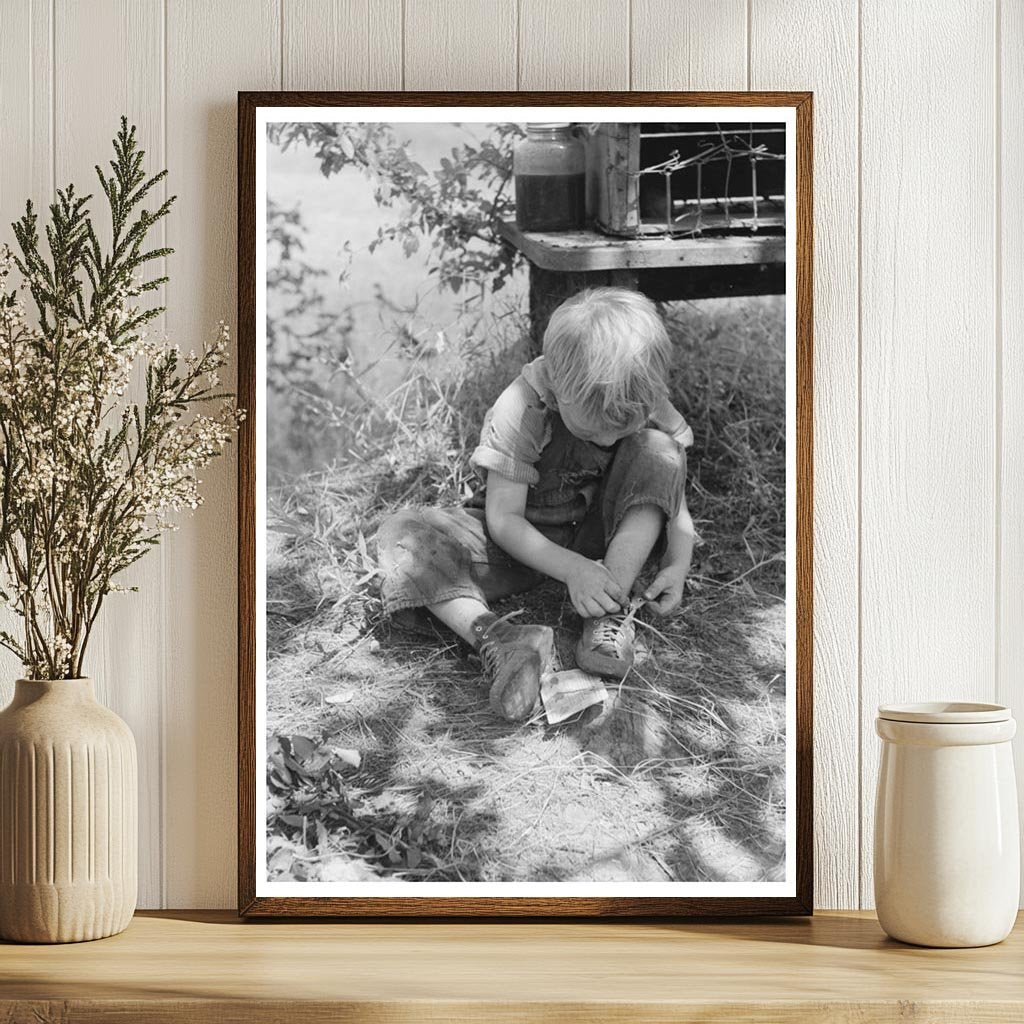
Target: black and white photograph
(525,506)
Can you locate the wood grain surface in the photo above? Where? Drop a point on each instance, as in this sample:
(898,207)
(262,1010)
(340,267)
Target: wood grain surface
(130,34)
(479,36)
(228,45)
(1009,269)
(830,70)
(699,44)
(928,369)
(201,967)
(574,44)
(586,251)
(354,42)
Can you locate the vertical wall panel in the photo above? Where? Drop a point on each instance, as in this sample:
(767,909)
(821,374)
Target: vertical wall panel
(466,45)
(126,655)
(928,363)
(342,44)
(689,44)
(213,50)
(1011,260)
(780,59)
(574,44)
(26,109)
(26,169)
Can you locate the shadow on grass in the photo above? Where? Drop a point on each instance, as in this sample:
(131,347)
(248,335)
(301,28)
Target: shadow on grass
(678,779)
(682,777)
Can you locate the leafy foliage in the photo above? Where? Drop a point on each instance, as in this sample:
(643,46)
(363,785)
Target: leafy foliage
(297,324)
(323,827)
(89,477)
(454,209)
(308,347)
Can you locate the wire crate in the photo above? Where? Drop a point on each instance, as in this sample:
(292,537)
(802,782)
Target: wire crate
(686,179)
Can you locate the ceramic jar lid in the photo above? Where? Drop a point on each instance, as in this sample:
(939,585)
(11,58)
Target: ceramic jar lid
(945,713)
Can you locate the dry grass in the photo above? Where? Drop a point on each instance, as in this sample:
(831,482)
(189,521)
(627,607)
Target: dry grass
(386,761)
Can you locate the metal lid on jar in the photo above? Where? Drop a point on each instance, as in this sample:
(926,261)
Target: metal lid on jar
(945,713)
(542,126)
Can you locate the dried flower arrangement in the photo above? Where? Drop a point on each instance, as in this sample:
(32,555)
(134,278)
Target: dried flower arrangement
(90,476)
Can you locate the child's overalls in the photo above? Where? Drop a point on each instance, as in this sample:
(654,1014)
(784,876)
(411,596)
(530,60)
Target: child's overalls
(432,555)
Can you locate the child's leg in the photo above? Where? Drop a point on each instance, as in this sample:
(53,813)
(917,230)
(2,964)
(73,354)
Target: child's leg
(460,614)
(442,560)
(642,488)
(514,658)
(633,542)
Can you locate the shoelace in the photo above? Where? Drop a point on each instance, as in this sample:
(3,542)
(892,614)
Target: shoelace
(488,649)
(505,618)
(611,630)
(489,657)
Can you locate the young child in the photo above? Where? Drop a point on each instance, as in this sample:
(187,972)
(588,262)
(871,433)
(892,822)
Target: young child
(583,458)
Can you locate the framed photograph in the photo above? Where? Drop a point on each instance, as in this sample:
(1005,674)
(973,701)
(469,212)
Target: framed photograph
(525,504)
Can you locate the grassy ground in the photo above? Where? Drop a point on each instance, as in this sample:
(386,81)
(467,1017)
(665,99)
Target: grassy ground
(385,762)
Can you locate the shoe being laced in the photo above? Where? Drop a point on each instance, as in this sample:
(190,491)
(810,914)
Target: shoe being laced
(606,646)
(515,658)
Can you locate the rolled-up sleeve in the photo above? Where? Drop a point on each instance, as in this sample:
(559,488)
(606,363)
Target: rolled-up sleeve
(513,435)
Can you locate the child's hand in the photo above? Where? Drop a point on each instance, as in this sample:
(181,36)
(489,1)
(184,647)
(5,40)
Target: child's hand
(592,589)
(666,592)
(683,436)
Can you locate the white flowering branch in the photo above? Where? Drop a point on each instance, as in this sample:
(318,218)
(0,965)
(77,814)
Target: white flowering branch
(89,478)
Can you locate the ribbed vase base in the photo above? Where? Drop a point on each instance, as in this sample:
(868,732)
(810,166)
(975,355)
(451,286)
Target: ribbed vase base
(75,913)
(68,815)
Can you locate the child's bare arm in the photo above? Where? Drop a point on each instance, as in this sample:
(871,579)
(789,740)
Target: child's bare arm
(668,418)
(666,591)
(592,589)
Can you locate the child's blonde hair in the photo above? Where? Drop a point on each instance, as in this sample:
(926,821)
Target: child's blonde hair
(608,352)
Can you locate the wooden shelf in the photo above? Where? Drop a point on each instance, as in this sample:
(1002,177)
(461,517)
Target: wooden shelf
(210,967)
(581,252)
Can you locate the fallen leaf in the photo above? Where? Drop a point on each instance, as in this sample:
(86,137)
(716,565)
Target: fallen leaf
(322,837)
(318,762)
(281,861)
(341,869)
(302,747)
(349,756)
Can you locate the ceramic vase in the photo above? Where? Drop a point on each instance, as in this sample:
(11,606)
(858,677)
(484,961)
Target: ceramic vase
(68,815)
(947,847)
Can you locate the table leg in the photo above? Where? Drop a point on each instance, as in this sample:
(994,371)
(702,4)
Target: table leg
(550,288)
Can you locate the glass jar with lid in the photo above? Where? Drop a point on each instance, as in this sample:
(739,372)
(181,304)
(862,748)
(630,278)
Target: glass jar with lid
(550,173)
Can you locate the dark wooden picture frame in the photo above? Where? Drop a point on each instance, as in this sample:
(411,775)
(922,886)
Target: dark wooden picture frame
(249,772)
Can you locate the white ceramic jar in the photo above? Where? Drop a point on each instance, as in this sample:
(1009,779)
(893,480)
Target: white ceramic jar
(947,847)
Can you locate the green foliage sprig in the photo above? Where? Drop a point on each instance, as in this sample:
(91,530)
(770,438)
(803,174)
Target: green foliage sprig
(89,477)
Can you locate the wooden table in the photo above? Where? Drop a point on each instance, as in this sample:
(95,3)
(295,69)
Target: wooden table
(563,263)
(207,966)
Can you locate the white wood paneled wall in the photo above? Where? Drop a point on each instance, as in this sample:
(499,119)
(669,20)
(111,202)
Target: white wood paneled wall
(919,324)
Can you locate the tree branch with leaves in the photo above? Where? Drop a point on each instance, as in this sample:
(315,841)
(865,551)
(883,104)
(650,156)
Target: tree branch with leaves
(455,209)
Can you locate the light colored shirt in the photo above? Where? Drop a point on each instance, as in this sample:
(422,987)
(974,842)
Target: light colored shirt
(517,427)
